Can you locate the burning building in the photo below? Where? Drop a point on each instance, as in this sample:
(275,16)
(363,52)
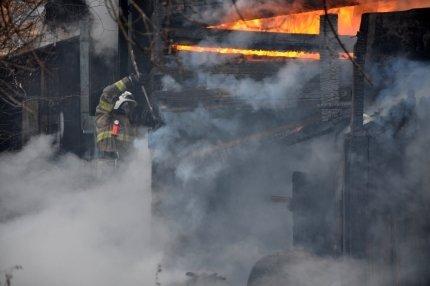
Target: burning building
(273,78)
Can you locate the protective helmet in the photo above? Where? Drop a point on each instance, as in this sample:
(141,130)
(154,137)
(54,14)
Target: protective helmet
(125,97)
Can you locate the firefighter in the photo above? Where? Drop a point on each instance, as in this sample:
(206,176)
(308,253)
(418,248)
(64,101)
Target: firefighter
(115,130)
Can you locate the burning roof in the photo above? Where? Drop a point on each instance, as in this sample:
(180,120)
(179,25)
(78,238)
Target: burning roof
(303,21)
(293,17)
(250,9)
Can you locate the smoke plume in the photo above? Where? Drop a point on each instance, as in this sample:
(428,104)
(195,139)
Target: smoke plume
(64,226)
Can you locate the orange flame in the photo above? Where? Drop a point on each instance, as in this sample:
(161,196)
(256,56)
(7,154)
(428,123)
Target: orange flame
(308,22)
(247,53)
(251,53)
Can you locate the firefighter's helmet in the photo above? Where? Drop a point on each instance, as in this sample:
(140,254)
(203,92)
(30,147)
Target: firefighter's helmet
(125,97)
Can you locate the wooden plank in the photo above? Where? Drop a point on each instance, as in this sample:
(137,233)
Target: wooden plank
(188,99)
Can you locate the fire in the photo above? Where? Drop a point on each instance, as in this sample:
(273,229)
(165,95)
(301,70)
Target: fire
(252,53)
(247,53)
(349,18)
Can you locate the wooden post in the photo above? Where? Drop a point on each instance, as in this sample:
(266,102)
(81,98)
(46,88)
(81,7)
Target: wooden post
(329,75)
(87,121)
(30,120)
(84,46)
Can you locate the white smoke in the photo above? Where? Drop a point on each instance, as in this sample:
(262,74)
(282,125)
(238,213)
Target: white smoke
(280,90)
(219,206)
(220,203)
(410,78)
(271,92)
(104,29)
(65,227)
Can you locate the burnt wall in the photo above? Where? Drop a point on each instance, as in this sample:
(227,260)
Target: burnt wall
(385,221)
(10,127)
(49,96)
(398,34)
(388,36)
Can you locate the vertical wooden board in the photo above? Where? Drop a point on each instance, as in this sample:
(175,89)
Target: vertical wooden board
(30,119)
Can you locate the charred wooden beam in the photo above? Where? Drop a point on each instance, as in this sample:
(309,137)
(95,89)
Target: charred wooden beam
(252,40)
(197,10)
(272,8)
(329,75)
(252,69)
(236,66)
(188,99)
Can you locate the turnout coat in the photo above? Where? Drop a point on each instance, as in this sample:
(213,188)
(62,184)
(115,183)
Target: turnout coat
(107,142)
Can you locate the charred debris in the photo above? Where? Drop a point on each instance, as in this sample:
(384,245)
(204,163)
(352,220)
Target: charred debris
(344,214)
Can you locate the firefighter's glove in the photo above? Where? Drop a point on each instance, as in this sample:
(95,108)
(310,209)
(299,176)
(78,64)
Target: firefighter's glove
(136,79)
